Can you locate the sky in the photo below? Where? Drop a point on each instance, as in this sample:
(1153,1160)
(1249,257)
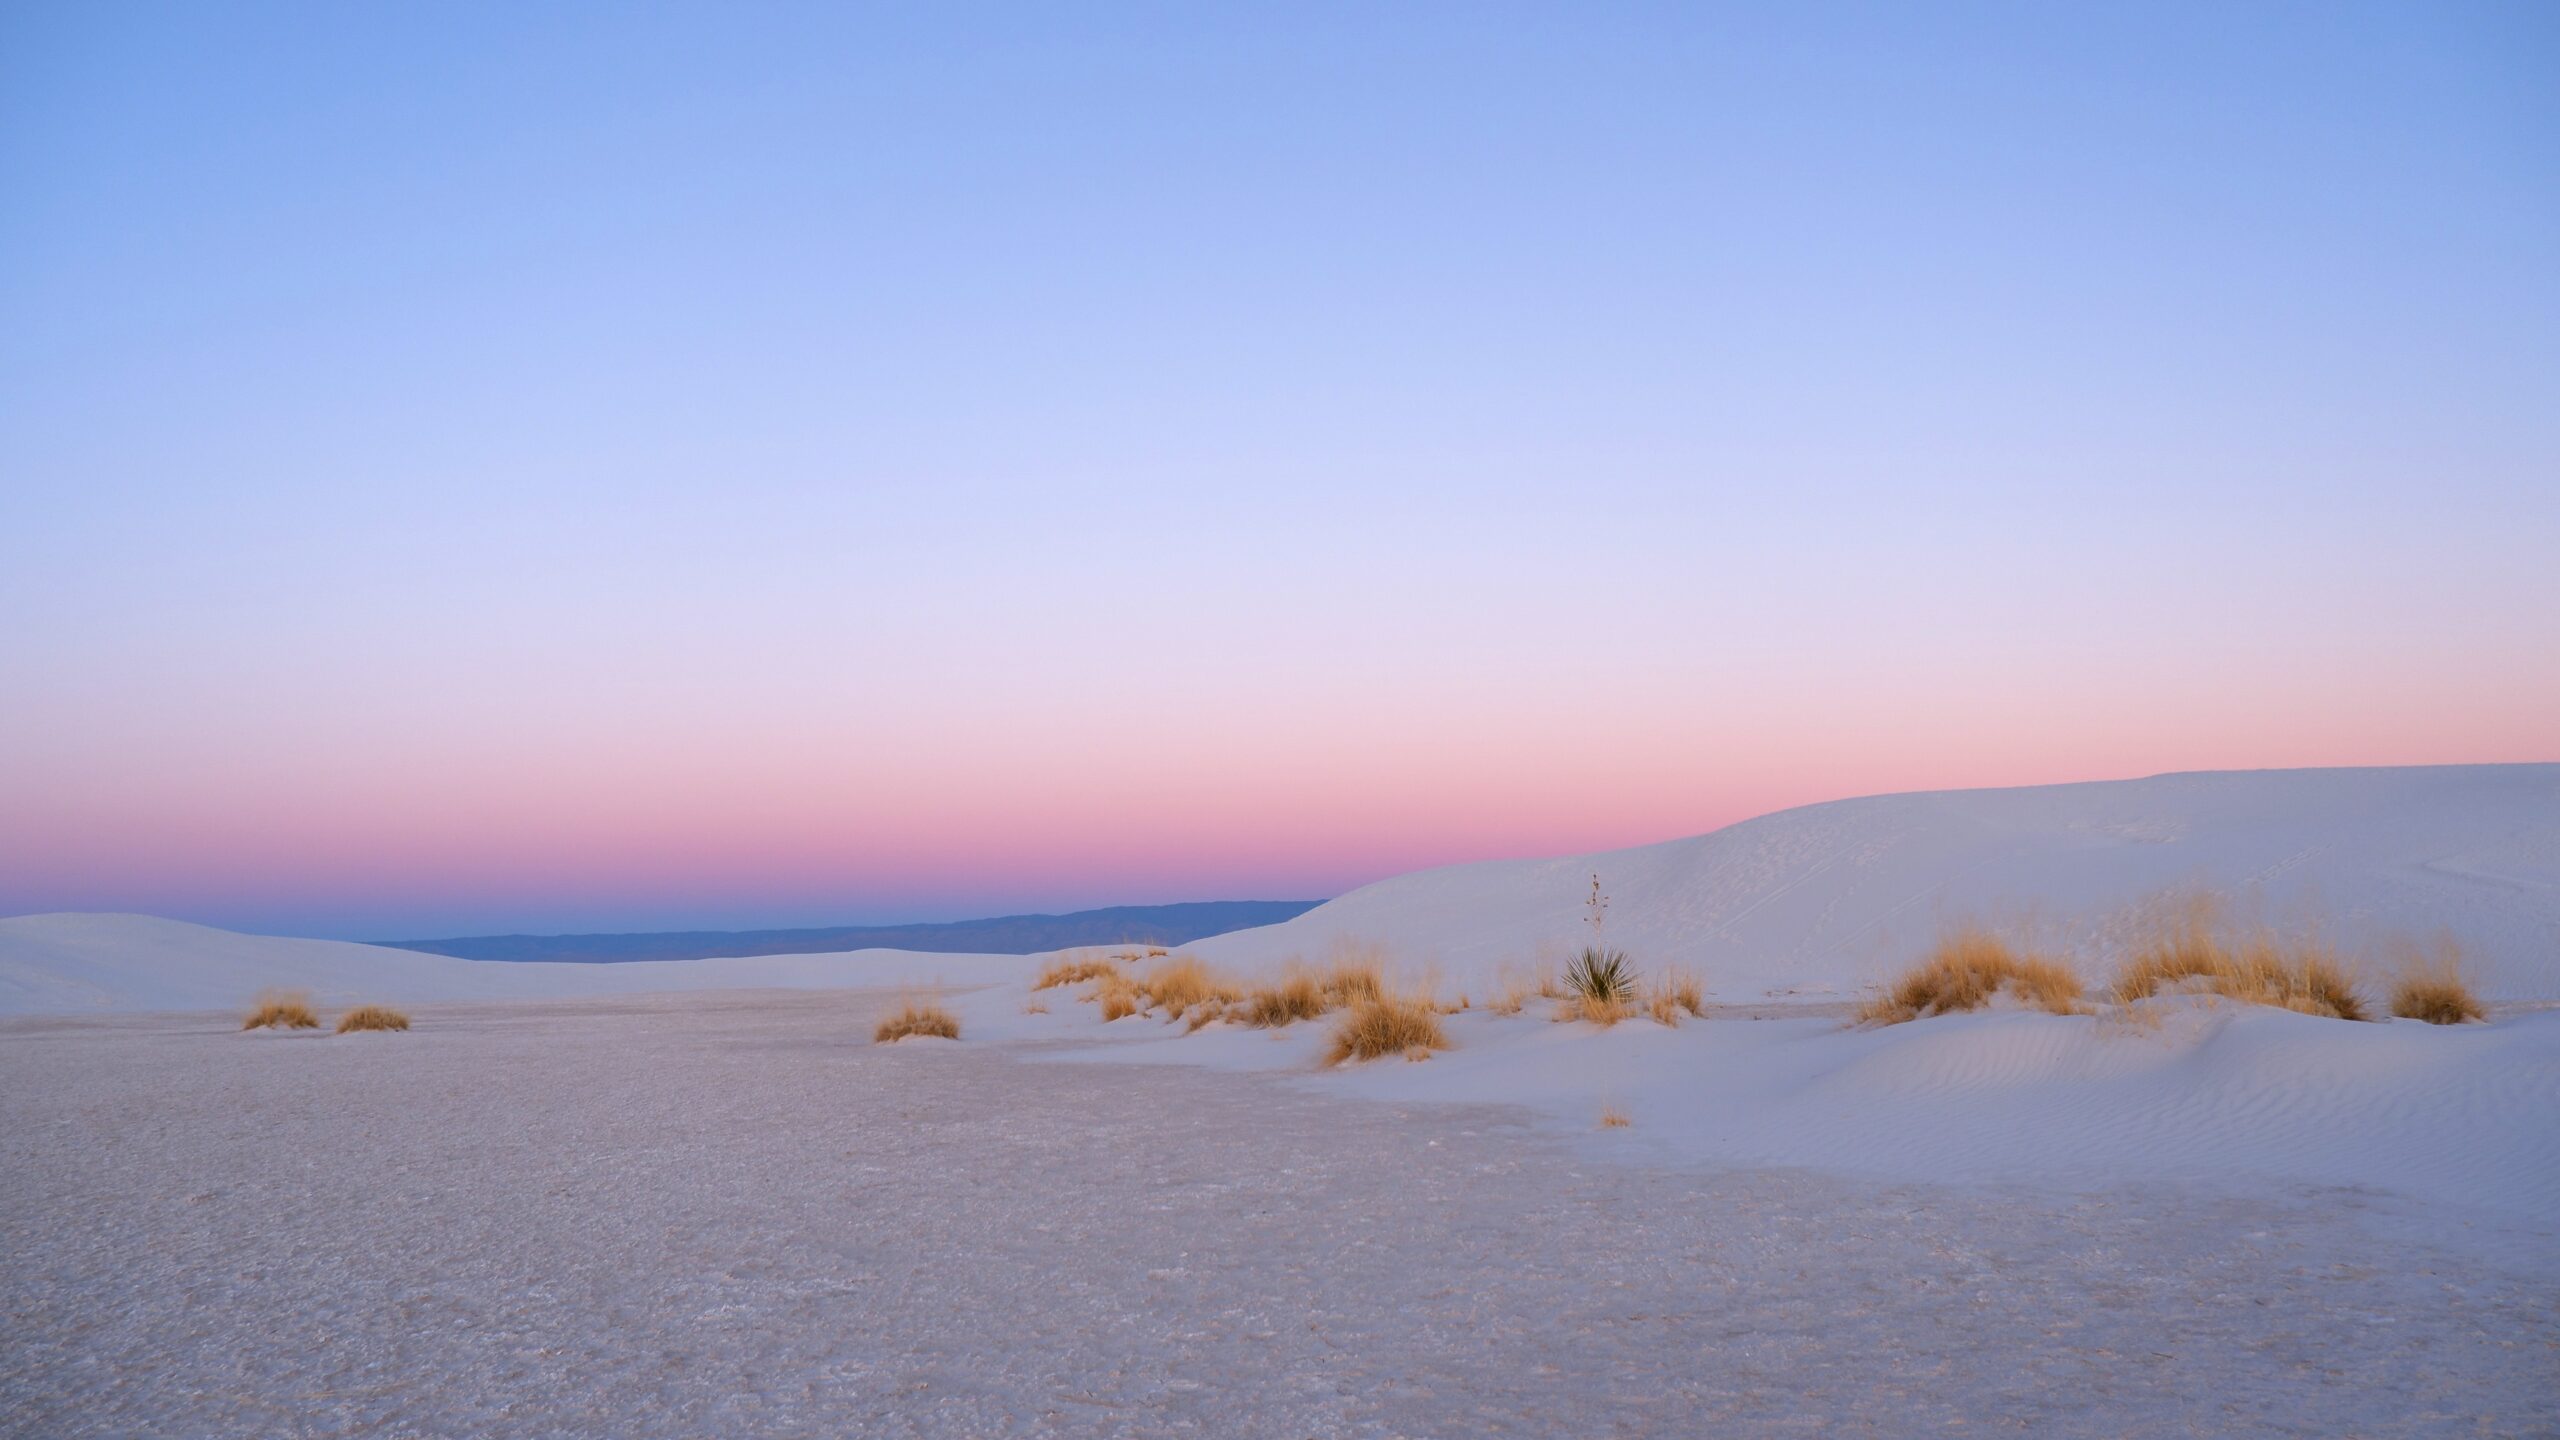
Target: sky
(536,468)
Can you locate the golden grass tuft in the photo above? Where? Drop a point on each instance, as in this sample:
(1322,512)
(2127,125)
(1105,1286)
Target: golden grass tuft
(281,1010)
(2431,987)
(1514,988)
(1117,995)
(372,1017)
(1073,970)
(917,1018)
(1965,970)
(1601,1010)
(1387,1024)
(1183,982)
(1036,1007)
(1298,994)
(1613,1118)
(1675,992)
(2192,952)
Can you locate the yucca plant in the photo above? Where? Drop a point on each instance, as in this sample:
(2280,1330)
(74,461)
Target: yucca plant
(1601,975)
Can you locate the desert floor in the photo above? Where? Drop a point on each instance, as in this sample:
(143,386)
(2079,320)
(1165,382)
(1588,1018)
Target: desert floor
(732,1215)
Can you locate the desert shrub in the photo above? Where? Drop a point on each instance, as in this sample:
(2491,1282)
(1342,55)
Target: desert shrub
(1297,995)
(2263,969)
(372,1017)
(1072,970)
(1598,973)
(281,1010)
(1676,992)
(1613,1118)
(1387,1025)
(1183,982)
(1035,1008)
(1594,1009)
(917,1018)
(2430,986)
(1968,966)
(1117,1002)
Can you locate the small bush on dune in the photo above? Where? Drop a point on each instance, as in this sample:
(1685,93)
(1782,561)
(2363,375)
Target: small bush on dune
(1296,995)
(1613,1118)
(1183,982)
(1072,970)
(2298,975)
(1600,986)
(372,1017)
(1387,1025)
(1600,974)
(1594,1009)
(917,1019)
(281,1010)
(1676,992)
(2431,987)
(1967,968)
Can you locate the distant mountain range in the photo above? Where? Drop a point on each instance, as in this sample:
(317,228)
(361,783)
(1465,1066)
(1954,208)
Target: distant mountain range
(1003,935)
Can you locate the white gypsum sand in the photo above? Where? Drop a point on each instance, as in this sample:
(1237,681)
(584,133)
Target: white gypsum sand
(713,1215)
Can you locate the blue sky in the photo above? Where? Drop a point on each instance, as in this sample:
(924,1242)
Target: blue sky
(541,467)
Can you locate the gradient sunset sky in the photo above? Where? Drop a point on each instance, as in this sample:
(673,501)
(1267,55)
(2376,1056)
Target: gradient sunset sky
(530,467)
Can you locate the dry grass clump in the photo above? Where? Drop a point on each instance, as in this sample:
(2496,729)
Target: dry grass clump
(1073,970)
(281,1010)
(1968,966)
(1597,1009)
(1183,983)
(1353,977)
(1613,1118)
(1180,986)
(1117,1000)
(1297,995)
(1514,988)
(2431,987)
(2299,975)
(1387,1025)
(1676,992)
(372,1017)
(917,1018)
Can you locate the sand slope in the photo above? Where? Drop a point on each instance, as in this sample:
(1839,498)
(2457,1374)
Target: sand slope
(1823,900)
(69,964)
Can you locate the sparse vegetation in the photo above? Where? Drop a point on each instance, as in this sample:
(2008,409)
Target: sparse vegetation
(1296,995)
(2430,986)
(1516,987)
(1183,982)
(281,1010)
(1035,1008)
(917,1018)
(1597,1009)
(1301,993)
(1968,966)
(1073,970)
(1599,974)
(1387,1024)
(2192,952)
(1613,1118)
(1599,983)
(372,1017)
(1676,992)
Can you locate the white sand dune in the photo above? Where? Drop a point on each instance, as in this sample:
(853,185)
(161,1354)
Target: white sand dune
(1817,902)
(2463,1118)
(77,963)
(1825,900)
(1804,905)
